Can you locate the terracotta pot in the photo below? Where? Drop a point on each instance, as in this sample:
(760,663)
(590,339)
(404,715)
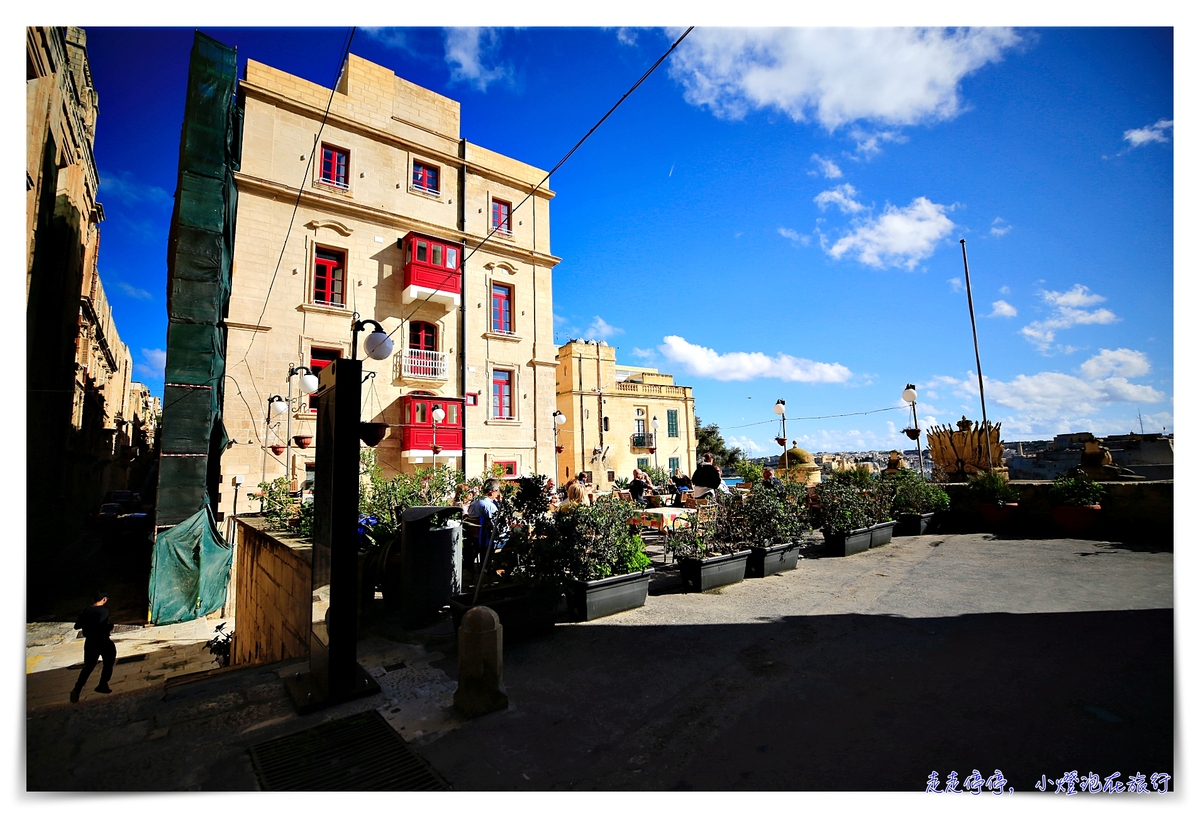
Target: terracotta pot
(1076,521)
(303,441)
(558,449)
(997,515)
(278,449)
(372,433)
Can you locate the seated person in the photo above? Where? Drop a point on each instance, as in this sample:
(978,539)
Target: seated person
(482,513)
(769,479)
(576,496)
(639,485)
(707,478)
(682,483)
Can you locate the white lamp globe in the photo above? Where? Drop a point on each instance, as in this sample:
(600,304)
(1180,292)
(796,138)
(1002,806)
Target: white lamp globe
(559,418)
(378,345)
(438,414)
(654,423)
(909,395)
(309,383)
(279,407)
(779,406)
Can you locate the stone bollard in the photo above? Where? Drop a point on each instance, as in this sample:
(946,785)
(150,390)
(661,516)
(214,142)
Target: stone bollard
(480,664)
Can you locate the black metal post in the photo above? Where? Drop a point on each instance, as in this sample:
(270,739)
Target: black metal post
(987,432)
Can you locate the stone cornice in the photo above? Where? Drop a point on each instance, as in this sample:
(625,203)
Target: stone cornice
(334,204)
(379,135)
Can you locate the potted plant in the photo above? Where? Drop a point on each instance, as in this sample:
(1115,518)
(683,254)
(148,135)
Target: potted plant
(915,501)
(994,497)
(606,567)
(1076,504)
(773,520)
(845,514)
(277,449)
(708,549)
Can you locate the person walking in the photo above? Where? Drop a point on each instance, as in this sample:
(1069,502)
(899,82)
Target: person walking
(97,644)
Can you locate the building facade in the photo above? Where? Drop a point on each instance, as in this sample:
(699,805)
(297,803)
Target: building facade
(620,417)
(392,208)
(78,371)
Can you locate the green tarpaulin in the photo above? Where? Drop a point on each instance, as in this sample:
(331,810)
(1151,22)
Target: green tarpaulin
(189,572)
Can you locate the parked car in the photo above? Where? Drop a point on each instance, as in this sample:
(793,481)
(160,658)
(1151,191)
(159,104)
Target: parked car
(109,512)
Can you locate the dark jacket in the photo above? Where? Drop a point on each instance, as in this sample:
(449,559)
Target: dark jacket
(93,621)
(707,476)
(636,489)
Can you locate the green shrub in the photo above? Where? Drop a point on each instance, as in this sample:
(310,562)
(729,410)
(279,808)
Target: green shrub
(278,507)
(844,507)
(1076,491)
(991,487)
(912,494)
(749,472)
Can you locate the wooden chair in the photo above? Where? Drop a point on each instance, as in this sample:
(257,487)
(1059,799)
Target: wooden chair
(623,494)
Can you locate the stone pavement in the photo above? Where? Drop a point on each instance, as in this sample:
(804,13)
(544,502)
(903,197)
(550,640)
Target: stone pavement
(860,673)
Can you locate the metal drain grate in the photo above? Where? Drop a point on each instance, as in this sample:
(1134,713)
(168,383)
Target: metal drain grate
(357,753)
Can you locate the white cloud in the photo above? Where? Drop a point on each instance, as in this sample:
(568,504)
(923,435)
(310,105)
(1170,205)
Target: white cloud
(125,188)
(746,444)
(999,228)
(835,76)
(1002,309)
(1124,363)
(133,292)
(744,366)
(643,354)
(901,237)
(153,363)
(1157,132)
(955,284)
(601,329)
(466,51)
(1067,313)
(627,36)
(868,143)
(1005,290)
(827,167)
(843,196)
(789,233)
(388,37)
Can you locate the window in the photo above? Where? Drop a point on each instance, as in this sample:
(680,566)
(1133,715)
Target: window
(502,309)
(318,359)
(425,177)
(502,383)
(502,217)
(508,468)
(472,398)
(605,424)
(643,462)
(639,427)
(329,277)
(672,464)
(672,423)
(335,163)
(422,335)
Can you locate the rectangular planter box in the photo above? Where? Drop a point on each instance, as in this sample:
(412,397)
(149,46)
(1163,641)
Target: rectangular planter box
(521,613)
(702,575)
(600,597)
(913,525)
(843,545)
(881,533)
(772,560)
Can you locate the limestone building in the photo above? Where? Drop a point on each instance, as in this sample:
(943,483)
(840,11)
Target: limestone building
(620,417)
(391,202)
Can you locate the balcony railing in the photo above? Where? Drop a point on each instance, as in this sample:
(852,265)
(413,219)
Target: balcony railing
(642,441)
(651,389)
(420,363)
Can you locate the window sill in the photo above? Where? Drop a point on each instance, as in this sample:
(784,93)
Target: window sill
(435,195)
(326,309)
(329,187)
(502,422)
(502,336)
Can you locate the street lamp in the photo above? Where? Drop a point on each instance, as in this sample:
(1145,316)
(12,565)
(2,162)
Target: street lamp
(438,415)
(378,344)
(780,409)
(308,384)
(654,432)
(909,396)
(559,420)
(275,406)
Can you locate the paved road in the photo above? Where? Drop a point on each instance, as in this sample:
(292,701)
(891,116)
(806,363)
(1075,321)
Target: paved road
(862,673)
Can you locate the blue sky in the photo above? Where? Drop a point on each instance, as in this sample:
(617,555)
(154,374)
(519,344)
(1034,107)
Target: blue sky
(776,213)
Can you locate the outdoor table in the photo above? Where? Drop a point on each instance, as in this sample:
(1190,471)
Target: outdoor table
(660,518)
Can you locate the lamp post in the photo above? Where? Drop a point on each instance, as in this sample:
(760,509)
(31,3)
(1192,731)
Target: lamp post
(978,367)
(909,396)
(377,346)
(559,420)
(275,406)
(308,385)
(780,409)
(438,416)
(654,431)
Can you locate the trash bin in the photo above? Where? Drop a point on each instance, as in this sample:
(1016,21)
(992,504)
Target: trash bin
(430,560)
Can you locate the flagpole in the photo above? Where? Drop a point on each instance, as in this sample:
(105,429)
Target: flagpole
(978,367)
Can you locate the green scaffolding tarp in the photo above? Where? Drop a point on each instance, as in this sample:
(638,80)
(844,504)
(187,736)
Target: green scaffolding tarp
(189,572)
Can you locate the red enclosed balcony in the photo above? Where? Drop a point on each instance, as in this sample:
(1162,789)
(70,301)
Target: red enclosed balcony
(432,270)
(417,426)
